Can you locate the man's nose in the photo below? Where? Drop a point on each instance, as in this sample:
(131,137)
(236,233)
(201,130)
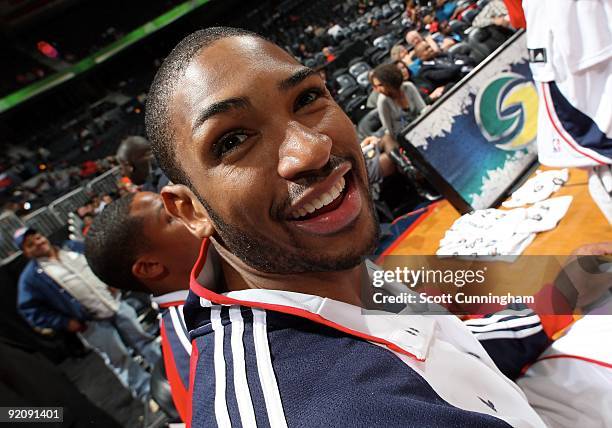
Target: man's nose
(303,150)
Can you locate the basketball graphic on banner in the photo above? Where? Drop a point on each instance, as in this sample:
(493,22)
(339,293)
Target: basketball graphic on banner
(506,111)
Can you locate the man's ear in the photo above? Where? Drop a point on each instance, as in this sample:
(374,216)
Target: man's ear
(182,204)
(147,268)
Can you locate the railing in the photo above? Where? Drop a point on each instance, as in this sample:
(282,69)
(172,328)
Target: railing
(54,217)
(68,203)
(9,223)
(105,183)
(44,220)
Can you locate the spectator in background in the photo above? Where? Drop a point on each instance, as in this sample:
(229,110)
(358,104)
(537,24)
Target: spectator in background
(335,30)
(415,38)
(444,10)
(399,53)
(494,20)
(399,102)
(58,290)
(494,13)
(135,159)
(439,71)
(87,220)
(373,95)
(403,68)
(329,56)
(106,199)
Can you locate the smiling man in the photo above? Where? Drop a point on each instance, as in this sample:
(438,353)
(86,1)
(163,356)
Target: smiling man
(269,168)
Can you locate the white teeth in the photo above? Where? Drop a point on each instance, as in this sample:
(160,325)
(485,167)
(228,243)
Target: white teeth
(321,201)
(341,183)
(327,198)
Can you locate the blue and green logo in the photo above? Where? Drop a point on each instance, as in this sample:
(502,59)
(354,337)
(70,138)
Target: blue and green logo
(506,110)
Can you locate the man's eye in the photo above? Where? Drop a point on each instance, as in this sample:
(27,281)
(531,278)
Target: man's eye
(229,142)
(308,97)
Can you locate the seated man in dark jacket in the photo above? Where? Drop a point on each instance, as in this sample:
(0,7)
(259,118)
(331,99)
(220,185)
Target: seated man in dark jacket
(440,71)
(58,290)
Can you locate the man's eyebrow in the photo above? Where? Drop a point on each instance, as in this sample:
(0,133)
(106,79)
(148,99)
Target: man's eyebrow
(296,78)
(220,107)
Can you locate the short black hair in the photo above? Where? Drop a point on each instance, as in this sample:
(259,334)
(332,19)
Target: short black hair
(113,243)
(389,75)
(157,115)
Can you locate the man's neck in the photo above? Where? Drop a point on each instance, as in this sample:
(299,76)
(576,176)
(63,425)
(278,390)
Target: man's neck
(170,284)
(342,285)
(53,254)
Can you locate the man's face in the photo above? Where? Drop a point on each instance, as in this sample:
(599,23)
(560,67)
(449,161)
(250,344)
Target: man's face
(170,241)
(273,158)
(414,38)
(424,51)
(36,245)
(136,165)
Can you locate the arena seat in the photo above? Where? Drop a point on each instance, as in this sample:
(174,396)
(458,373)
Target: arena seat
(379,42)
(379,57)
(370,124)
(368,52)
(476,40)
(339,72)
(458,27)
(359,68)
(396,6)
(345,81)
(362,79)
(469,16)
(386,11)
(460,49)
(356,108)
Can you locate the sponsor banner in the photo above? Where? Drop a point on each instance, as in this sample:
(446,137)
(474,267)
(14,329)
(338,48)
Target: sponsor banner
(480,139)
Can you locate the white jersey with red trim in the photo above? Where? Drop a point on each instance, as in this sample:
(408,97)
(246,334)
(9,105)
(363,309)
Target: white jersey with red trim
(276,358)
(570,47)
(570,385)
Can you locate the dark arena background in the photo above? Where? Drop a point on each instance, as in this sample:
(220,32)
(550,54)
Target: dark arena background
(440,94)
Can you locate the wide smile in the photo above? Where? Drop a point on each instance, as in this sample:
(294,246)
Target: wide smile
(330,206)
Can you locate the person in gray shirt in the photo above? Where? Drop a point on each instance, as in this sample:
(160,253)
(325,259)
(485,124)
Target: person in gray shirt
(399,102)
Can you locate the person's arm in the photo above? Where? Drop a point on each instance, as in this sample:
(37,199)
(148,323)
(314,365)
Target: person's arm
(485,17)
(414,97)
(515,340)
(34,308)
(431,42)
(385,115)
(490,14)
(439,76)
